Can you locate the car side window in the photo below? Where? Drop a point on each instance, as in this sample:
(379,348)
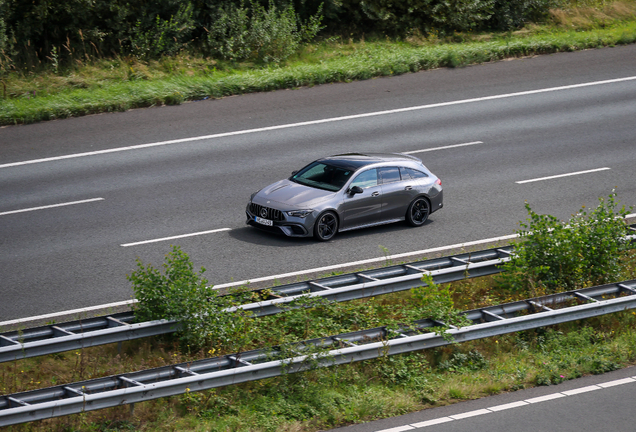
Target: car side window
(410,173)
(366,179)
(389,175)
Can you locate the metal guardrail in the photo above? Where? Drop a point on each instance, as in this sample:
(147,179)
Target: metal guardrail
(121,327)
(90,332)
(344,348)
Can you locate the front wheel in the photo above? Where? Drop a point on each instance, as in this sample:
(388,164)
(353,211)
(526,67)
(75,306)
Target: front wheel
(326,226)
(418,212)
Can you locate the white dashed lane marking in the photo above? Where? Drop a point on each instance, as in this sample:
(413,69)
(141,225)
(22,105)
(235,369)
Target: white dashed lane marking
(51,206)
(562,175)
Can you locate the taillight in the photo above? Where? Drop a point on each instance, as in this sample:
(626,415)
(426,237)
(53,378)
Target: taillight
(438,181)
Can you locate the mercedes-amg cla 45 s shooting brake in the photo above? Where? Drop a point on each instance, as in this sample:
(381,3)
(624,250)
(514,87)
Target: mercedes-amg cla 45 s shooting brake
(346,192)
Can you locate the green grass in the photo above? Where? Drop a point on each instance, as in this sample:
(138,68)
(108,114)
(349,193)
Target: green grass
(107,85)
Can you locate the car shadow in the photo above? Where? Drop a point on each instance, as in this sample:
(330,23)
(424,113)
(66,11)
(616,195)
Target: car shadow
(253,235)
(380,229)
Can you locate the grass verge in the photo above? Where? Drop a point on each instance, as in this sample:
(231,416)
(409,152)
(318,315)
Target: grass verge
(122,84)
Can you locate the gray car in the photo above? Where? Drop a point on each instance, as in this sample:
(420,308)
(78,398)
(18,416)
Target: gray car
(346,192)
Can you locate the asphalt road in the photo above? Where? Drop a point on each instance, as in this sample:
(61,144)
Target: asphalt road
(532,117)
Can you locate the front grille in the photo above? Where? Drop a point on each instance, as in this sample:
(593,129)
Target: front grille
(266,212)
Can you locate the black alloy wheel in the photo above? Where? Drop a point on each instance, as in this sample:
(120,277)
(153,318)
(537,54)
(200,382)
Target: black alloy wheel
(418,212)
(326,226)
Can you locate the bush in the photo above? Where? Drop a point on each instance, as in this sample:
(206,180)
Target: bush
(554,255)
(461,15)
(182,295)
(161,36)
(461,363)
(508,14)
(268,36)
(435,302)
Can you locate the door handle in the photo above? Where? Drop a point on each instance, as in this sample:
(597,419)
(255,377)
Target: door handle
(375,194)
(408,188)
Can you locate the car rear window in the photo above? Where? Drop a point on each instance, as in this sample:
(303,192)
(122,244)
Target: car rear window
(410,173)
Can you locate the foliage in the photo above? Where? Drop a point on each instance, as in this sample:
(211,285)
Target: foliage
(436,303)
(267,35)
(121,84)
(269,31)
(331,397)
(87,29)
(461,15)
(514,14)
(163,36)
(562,356)
(183,295)
(410,368)
(554,255)
(464,362)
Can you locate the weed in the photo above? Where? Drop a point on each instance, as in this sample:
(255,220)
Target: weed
(182,295)
(455,393)
(555,256)
(460,362)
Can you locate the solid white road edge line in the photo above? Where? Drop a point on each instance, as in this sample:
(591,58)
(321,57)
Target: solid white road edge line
(176,237)
(562,175)
(54,315)
(315,122)
(367,261)
(391,257)
(51,206)
(511,405)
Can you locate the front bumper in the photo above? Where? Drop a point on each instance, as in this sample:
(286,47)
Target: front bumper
(286,225)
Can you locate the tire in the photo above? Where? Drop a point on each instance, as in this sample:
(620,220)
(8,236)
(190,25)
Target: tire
(418,212)
(326,226)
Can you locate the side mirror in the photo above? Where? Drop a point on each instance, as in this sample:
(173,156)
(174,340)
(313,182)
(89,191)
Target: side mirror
(355,190)
(294,173)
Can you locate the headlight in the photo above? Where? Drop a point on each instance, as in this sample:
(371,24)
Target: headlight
(299,213)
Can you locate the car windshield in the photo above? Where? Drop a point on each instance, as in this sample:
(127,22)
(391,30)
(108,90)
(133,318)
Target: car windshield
(322,176)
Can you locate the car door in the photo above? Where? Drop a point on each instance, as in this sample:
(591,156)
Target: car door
(397,192)
(362,208)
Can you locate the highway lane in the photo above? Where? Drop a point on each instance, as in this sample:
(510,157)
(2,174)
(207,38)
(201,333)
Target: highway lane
(71,256)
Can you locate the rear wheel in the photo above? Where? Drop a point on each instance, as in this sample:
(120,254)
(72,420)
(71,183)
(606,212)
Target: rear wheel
(418,212)
(326,226)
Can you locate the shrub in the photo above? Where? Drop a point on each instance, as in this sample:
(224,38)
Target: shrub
(266,35)
(161,36)
(436,302)
(461,15)
(554,255)
(508,15)
(460,362)
(183,295)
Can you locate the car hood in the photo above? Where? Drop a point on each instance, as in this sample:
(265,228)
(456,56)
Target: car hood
(292,196)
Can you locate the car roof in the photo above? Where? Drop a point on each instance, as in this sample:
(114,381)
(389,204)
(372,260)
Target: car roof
(355,161)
